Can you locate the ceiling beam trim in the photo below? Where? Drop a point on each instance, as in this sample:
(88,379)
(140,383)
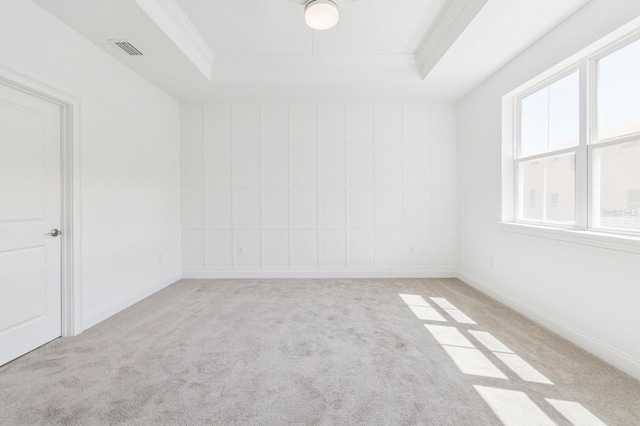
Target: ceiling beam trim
(172,20)
(454,20)
(316,68)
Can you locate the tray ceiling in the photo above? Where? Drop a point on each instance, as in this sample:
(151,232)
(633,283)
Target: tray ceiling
(262,50)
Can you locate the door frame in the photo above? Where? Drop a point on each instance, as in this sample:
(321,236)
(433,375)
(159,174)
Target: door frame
(71,315)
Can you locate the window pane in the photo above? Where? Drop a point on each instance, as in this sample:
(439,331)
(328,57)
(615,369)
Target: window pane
(564,113)
(619,92)
(535,123)
(561,189)
(550,117)
(532,190)
(548,190)
(617,187)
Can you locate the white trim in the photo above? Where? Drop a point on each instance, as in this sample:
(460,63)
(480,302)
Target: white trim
(633,137)
(449,26)
(298,69)
(607,353)
(172,20)
(284,274)
(581,160)
(624,243)
(509,129)
(277,62)
(127,301)
(70,191)
(550,154)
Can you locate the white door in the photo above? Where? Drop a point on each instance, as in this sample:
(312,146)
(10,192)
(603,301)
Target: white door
(30,207)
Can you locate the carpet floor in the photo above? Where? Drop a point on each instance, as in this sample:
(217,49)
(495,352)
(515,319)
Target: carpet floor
(307,352)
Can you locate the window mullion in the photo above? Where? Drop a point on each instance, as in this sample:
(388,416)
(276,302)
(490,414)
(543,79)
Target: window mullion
(583,208)
(518,202)
(634,137)
(544,190)
(550,154)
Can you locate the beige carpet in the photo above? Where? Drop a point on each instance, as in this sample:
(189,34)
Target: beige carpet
(304,352)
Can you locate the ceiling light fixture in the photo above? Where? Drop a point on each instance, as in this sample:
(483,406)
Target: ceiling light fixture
(321,14)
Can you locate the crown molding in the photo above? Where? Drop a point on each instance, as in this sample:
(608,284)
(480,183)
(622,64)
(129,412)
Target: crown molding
(172,20)
(449,27)
(316,68)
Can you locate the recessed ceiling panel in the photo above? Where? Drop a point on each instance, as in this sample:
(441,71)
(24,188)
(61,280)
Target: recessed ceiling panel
(250,27)
(380,27)
(264,50)
(277,27)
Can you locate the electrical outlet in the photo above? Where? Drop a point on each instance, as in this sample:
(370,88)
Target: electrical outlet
(412,250)
(240,250)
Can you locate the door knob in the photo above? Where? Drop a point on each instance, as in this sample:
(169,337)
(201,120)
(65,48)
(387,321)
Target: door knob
(54,233)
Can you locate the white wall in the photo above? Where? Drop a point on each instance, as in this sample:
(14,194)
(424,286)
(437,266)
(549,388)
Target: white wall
(328,189)
(587,294)
(130,196)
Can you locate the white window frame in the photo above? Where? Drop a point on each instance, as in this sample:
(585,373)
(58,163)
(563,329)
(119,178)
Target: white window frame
(594,141)
(583,232)
(578,151)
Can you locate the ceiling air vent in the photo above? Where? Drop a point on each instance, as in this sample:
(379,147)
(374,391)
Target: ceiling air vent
(127,47)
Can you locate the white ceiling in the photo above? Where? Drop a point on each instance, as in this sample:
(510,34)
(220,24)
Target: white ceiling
(277,27)
(264,51)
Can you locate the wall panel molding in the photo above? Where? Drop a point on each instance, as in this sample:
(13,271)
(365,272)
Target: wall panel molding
(326,189)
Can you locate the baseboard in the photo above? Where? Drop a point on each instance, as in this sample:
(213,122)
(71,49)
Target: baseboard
(609,354)
(126,301)
(265,273)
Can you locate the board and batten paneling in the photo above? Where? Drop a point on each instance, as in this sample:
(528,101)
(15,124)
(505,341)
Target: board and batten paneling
(330,189)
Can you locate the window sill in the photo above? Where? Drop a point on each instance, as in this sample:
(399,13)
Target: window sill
(624,243)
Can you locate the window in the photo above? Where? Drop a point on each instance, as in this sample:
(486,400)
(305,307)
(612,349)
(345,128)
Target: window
(549,139)
(616,148)
(576,153)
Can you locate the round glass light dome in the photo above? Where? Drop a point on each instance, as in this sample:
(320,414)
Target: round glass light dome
(321,14)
